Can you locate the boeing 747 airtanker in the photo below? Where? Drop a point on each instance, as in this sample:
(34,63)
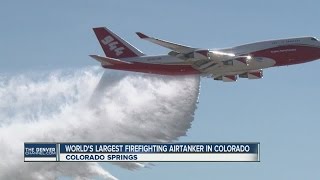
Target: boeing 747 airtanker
(244,61)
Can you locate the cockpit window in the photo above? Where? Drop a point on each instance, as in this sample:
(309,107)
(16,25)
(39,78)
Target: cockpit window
(314,39)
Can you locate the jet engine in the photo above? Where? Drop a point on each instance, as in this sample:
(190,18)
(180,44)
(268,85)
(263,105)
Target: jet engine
(256,74)
(238,61)
(227,78)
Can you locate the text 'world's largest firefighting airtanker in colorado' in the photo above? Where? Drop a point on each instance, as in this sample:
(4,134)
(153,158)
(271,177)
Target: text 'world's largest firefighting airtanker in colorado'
(244,61)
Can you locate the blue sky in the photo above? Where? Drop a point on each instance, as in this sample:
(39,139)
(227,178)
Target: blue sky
(281,110)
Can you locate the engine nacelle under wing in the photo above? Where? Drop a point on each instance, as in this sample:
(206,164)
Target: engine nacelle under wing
(256,74)
(227,78)
(238,61)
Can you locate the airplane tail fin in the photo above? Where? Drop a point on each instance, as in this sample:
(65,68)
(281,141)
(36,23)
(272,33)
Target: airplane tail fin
(114,46)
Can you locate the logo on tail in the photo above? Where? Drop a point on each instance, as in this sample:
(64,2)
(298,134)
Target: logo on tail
(113,45)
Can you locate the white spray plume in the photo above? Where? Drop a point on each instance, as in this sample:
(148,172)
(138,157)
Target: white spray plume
(75,105)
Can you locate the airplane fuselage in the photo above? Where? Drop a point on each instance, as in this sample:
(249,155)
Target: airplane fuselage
(226,64)
(264,55)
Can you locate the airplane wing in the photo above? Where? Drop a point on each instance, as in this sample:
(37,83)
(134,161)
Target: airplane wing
(186,52)
(173,46)
(201,59)
(108,60)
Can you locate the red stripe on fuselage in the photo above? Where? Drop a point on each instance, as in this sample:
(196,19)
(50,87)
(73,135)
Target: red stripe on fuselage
(291,54)
(155,68)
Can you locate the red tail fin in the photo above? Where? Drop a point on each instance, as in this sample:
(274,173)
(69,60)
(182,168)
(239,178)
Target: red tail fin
(114,46)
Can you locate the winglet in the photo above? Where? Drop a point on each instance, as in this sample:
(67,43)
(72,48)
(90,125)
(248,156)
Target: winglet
(141,35)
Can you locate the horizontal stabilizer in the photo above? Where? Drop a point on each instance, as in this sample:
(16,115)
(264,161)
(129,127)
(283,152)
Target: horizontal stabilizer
(109,60)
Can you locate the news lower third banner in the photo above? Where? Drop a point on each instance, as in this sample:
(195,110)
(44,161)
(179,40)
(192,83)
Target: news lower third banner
(142,152)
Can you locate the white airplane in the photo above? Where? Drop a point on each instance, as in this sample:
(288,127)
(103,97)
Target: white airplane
(244,61)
